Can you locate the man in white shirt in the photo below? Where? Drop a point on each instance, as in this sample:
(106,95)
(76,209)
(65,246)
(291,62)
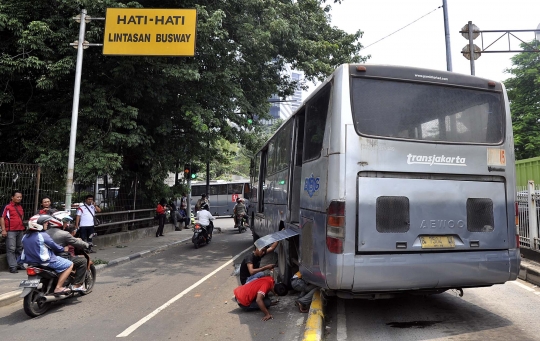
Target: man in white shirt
(204,217)
(85,220)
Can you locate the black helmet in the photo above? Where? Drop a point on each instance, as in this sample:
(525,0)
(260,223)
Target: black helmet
(203,195)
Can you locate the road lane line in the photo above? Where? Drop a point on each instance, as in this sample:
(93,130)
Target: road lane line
(522,285)
(142,321)
(341,321)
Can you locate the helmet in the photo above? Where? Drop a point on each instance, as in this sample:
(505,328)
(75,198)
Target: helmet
(62,216)
(35,223)
(238,199)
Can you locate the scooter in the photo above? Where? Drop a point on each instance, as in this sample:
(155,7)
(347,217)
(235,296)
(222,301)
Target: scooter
(200,235)
(38,292)
(242,223)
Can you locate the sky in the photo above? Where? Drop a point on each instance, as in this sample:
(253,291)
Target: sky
(422,44)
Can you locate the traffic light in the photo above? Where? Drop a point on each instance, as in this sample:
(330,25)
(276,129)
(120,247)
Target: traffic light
(194,171)
(187,172)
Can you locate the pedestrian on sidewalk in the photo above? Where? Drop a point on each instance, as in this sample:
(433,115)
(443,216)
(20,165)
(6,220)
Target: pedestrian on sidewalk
(306,292)
(160,211)
(85,220)
(12,226)
(175,214)
(46,207)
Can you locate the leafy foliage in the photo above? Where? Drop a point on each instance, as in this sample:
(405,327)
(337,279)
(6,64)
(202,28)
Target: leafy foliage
(524,95)
(143,117)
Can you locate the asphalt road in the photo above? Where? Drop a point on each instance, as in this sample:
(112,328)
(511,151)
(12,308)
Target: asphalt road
(178,294)
(502,312)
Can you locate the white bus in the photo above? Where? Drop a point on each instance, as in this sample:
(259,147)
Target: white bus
(222,195)
(392,180)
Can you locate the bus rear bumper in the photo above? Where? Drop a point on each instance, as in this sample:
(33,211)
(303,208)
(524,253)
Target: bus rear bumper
(406,272)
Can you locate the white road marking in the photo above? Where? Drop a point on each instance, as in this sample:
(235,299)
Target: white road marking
(142,321)
(523,286)
(341,321)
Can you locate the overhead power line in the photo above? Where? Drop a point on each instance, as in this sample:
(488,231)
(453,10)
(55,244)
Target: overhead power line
(402,28)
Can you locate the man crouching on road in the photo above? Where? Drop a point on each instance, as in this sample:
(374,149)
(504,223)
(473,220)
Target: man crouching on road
(253,295)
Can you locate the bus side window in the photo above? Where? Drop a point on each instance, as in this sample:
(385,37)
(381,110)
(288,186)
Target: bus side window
(316,112)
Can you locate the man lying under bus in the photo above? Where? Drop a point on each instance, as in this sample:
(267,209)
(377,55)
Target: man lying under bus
(254,295)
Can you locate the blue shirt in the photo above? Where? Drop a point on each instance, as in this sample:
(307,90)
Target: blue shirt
(38,247)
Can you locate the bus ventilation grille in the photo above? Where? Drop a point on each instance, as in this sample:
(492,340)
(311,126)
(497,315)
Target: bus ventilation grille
(393,214)
(479,215)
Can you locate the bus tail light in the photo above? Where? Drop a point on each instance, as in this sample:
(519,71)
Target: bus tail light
(335,226)
(517,241)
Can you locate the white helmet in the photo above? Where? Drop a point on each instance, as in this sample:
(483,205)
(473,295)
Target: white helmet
(62,216)
(36,222)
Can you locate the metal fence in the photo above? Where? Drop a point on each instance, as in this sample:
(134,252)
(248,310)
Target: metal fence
(120,212)
(528,209)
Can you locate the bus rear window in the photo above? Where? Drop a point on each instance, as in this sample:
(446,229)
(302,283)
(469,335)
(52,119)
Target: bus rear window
(427,112)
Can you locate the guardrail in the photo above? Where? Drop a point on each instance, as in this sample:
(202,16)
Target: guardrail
(121,221)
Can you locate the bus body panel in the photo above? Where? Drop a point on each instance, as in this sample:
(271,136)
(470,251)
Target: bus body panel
(434,270)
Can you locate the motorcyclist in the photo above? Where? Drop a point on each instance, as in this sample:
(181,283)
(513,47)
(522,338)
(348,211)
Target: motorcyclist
(204,217)
(38,247)
(239,211)
(63,238)
(203,200)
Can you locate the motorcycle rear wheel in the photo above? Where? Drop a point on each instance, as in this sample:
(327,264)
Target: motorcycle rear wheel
(89,280)
(32,306)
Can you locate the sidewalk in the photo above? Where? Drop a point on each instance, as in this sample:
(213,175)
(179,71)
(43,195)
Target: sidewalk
(111,255)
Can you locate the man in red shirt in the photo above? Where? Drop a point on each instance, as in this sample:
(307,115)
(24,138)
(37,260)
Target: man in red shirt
(252,296)
(12,226)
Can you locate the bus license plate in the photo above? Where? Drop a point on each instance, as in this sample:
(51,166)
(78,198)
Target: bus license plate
(437,242)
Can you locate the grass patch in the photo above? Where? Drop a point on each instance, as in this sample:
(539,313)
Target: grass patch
(100,261)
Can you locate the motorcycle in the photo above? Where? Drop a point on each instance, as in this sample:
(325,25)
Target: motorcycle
(38,292)
(200,235)
(242,223)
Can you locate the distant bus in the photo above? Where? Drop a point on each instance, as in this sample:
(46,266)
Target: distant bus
(222,195)
(390,180)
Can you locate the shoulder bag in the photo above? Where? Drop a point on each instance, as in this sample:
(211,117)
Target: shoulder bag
(96,220)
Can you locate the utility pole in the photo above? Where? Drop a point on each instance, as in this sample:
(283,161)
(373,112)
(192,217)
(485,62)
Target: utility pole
(80,45)
(447,37)
(471,47)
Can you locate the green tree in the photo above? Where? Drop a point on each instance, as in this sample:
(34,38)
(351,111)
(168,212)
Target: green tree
(524,95)
(142,117)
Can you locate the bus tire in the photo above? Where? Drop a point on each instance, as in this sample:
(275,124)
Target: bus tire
(283,269)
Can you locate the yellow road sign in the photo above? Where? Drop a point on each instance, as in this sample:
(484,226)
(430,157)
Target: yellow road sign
(150,32)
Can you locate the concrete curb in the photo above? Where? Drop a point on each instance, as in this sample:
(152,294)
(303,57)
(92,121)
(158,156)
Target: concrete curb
(13,296)
(315,321)
(529,274)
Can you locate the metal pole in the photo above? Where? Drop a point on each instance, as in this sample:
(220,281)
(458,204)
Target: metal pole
(447,37)
(75,112)
(188,203)
(96,192)
(38,183)
(471,47)
(533,224)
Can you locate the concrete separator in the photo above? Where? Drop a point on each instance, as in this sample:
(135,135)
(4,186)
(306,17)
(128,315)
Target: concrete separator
(315,322)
